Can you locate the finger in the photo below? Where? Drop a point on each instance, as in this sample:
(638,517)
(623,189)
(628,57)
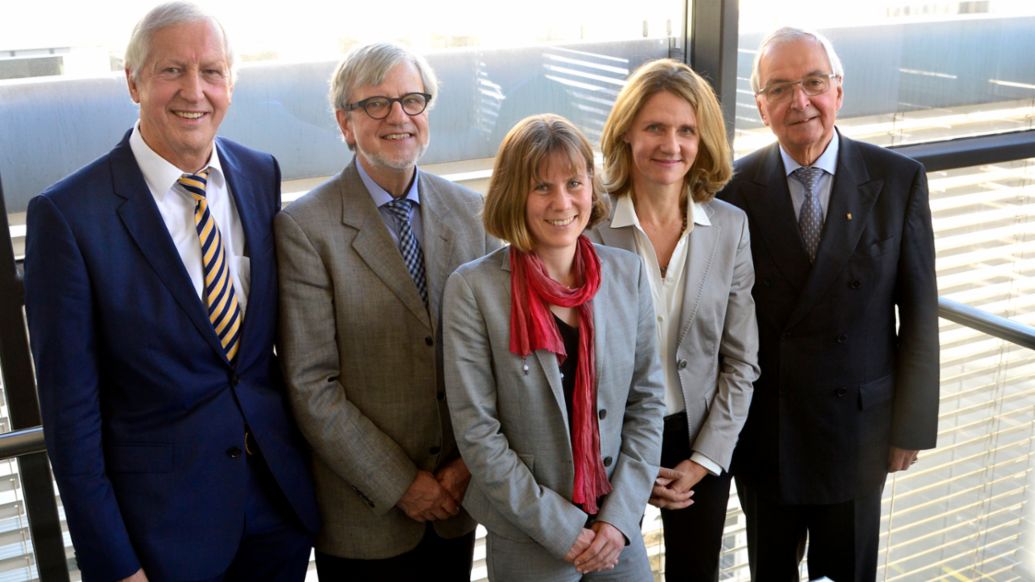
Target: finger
(670,474)
(662,481)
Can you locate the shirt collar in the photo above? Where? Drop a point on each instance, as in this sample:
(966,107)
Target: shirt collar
(827,161)
(380,195)
(625,214)
(158,172)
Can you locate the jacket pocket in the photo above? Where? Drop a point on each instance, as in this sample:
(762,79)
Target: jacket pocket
(876,392)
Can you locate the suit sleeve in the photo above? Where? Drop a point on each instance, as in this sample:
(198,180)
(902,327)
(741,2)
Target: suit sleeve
(542,513)
(915,417)
(642,424)
(738,362)
(59,306)
(342,436)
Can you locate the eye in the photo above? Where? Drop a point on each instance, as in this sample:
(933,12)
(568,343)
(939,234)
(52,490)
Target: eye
(653,128)
(814,83)
(776,89)
(574,183)
(375,104)
(688,130)
(541,187)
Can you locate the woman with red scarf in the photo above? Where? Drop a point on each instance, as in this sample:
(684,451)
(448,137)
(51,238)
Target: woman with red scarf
(552,373)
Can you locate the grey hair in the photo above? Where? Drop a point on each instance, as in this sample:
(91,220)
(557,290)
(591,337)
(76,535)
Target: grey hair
(791,34)
(369,64)
(162,16)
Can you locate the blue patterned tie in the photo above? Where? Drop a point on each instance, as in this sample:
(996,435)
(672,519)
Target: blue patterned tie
(810,218)
(223,310)
(402,210)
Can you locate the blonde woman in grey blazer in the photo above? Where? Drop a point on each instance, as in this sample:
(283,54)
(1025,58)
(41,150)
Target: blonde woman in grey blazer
(516,413)
(667,155)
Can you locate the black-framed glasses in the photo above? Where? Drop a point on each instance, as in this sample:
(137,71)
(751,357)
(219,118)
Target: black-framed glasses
(811,85)
(378,107)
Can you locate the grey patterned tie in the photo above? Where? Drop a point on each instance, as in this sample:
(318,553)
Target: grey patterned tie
(409,246)
(810,218)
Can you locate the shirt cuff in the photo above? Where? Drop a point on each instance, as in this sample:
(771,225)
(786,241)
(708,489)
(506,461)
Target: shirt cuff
(707,463)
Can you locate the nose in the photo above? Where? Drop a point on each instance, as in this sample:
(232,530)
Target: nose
(191,85)
(396,113)
(799,99)
(670,143)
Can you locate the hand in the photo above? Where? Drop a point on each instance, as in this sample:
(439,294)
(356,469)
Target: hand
(674,487)
(454,477)
(426,500)
(901,459)
(137,576)
(603,553)
(581,543)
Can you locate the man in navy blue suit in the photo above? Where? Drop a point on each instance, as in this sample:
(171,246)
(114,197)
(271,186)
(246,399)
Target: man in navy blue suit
(151,297)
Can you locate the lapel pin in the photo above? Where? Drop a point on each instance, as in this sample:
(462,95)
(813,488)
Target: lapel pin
(848,216)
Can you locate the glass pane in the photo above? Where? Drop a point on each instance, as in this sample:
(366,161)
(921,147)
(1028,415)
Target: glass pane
(914,71)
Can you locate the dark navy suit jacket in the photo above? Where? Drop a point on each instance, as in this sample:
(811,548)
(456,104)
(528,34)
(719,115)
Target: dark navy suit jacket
(143,415)
(842,379)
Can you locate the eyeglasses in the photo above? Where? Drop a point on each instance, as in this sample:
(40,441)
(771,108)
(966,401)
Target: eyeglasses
(811,85)
(379,107)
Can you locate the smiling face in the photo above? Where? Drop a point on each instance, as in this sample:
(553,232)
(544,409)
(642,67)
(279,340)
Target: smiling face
(664,138)
(184,90)
(559,205)
(803,124)
(388,148)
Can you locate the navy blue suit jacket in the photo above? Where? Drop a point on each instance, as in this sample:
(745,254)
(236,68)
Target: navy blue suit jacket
(841,379)
(143,415)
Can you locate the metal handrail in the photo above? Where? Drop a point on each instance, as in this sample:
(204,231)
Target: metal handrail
(22,442)
(1000,327)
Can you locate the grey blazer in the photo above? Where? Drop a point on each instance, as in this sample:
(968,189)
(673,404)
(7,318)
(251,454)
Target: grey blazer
(361,354)
(717,351)
(509,412)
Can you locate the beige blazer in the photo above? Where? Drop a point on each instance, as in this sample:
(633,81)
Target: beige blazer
(361,354)
(509,412)
(717,352)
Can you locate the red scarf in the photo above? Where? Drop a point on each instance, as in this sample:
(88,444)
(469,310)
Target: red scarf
(532,328)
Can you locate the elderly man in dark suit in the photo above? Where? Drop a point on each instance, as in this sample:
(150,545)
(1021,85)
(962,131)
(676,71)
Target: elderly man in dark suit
(151,297)
(848,322)
(364,259)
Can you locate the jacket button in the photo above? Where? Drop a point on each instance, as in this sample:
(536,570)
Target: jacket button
(607,461)
(435,450)
(602,414)
(841,392)
(234,380)
(429,341)
(681,364)
(855,284)
(233,452)
(842,338)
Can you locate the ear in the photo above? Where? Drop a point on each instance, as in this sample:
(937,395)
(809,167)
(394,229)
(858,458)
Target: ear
(134,90)
(840,94)
(346,127)
(761,110)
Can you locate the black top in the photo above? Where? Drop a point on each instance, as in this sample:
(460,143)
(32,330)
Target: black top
(570,336)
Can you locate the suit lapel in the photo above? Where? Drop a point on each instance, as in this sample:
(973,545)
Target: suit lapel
(374,244)
(548,366)
(773,219)
(853,195)
(439,227)
(139,214)
(699,257)
(243,189)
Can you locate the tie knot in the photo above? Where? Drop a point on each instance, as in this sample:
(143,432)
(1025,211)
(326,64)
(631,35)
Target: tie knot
(401,208)
(195,184)
(808,176)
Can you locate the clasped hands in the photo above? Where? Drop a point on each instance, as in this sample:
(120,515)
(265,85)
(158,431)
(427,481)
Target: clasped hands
(673,488)
(597,548)
(436,496)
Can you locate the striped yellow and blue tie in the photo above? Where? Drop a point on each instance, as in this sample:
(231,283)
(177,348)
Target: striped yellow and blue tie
(223,309)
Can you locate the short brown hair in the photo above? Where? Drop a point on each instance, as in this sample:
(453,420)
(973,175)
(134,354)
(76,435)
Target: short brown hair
(518,163)
(713,166)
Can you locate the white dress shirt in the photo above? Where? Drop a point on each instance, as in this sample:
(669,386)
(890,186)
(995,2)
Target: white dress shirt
(667,292)
(177,210)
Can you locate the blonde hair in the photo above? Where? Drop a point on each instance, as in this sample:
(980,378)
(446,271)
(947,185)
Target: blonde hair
(713,166)
(519,162)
